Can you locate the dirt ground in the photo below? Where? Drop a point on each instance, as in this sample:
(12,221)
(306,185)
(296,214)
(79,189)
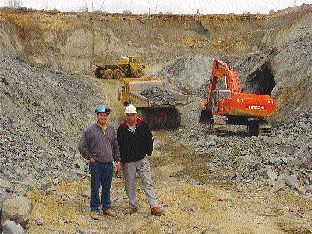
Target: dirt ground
(192,200)
(189,204)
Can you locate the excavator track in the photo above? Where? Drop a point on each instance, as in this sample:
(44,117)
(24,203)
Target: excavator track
(219,125)
(259,128)
(265,129)
(161,117)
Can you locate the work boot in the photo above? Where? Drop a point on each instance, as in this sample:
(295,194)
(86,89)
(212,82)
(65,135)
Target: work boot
(133,210)
(110,212)
(94,215)
(156,211)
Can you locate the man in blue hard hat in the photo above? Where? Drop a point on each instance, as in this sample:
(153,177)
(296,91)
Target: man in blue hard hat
(99,145)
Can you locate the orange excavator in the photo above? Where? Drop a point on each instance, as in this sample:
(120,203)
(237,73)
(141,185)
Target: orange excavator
(227,104)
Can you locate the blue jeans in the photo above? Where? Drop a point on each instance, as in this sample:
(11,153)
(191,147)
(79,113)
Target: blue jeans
(101,175)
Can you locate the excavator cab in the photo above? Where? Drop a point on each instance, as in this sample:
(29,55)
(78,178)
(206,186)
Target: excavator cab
(135,59)
(137,66)
(218,95)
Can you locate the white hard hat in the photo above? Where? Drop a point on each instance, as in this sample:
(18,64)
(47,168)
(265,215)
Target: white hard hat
(130,109)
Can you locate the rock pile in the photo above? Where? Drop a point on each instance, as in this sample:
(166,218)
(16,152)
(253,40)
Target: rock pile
(42,116)
(282,161)
(188,74)
(158,97)
(11,227)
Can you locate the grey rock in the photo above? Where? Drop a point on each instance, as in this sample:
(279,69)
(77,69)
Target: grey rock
(287,149)
(285,160)
(6,185)
(39,222)
(10,227)
(278,185)
(292,182)
(46,124)
(256,160)
(80,164)
(16,208)
(270,174)
(158,97)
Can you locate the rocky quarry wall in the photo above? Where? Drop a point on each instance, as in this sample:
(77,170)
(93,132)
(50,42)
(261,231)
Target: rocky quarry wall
(75,42)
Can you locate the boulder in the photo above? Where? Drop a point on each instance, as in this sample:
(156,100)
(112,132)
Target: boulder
(17,209)
(10,227)
(6,185)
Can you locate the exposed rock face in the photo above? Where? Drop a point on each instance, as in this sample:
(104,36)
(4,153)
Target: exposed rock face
(43,113)
(292,67)
(74,41)
(273,72)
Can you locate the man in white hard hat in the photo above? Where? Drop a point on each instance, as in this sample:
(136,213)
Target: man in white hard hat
(135,141)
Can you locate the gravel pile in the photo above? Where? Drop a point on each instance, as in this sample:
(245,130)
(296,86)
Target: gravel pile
(282,161)
(158,97)
(42,116)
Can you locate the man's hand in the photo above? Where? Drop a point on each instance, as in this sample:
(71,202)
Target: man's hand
(118,166)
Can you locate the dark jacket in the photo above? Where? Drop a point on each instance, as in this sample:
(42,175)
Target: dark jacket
(134,146)
(102,147)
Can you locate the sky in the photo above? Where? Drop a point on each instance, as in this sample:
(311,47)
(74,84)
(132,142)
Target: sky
(164,6)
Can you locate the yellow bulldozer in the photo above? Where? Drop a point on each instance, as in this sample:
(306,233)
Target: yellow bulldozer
(131,67)
(155,105)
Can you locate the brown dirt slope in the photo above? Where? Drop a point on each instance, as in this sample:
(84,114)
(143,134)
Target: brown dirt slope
(74,41)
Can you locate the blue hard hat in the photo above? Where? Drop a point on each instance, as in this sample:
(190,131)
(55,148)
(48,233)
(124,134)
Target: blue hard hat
(102,109)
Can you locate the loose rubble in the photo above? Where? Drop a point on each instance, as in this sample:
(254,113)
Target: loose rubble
(281,161)
(18,209)
(10,227)
(158,97)
(42,116)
